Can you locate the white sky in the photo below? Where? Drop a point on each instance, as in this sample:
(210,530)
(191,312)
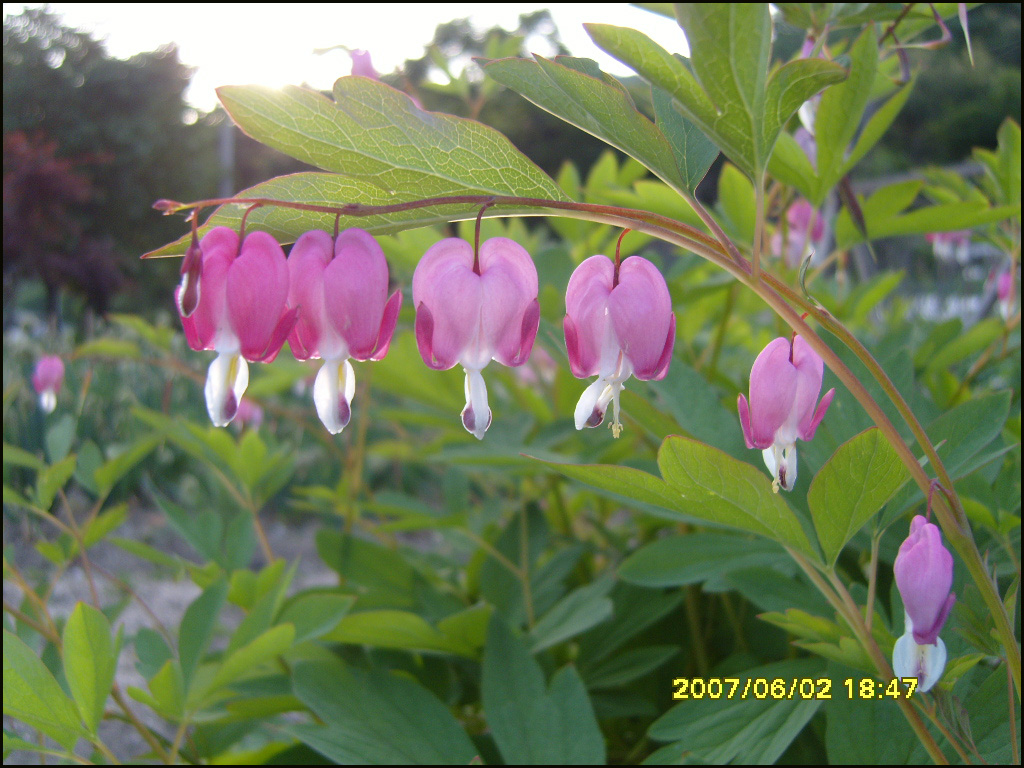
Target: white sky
(272,44)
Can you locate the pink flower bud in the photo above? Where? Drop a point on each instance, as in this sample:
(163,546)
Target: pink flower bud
(340,290)
(924,576)
(1006,291)
(616,326)
(784,384)
(249,414)
(47,380)
(473,311)
(362,64)
(239,313)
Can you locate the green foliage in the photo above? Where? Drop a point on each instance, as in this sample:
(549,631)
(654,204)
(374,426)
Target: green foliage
(404,593)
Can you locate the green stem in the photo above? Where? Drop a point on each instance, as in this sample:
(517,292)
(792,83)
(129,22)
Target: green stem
(779,297)
(840,599)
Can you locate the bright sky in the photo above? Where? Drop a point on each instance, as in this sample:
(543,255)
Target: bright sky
(272,44)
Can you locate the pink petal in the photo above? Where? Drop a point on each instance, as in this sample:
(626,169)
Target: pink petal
(528,334)
(744,410)
(279,335)
(355,291)
(641,314)
(257,290)
(666,353)
(586,314)
(807,433)
(810,369)
(48,374)
(444,283)
(387,326)
(773,381)
(219,246)
(309,257)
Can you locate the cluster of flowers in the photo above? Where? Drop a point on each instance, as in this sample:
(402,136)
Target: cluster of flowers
(243,299)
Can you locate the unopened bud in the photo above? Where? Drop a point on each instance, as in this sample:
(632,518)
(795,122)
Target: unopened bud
(191,272)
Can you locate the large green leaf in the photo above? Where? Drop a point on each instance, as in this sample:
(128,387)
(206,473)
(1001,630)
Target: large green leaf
(376,718)
(676,561)
(694,151)
(579,93)
(862,475)
(730,94)
(197,627)
(575,613)
(718,488)
(751,726)
(534,724)
(33,696)
(90,661)
(381,149)
(396,629)
(839,114)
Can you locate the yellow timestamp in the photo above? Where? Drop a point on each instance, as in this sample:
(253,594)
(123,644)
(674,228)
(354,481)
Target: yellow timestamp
(780,688)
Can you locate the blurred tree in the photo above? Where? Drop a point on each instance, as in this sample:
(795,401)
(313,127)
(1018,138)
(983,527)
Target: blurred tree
(956,106)
(126,128)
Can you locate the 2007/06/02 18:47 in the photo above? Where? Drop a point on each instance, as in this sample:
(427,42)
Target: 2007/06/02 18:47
(777,689)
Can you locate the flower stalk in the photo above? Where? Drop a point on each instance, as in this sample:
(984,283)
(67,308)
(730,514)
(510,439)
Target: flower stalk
(783,300)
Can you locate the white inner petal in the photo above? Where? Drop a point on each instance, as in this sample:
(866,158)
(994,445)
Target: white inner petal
(333,389)
(226,381)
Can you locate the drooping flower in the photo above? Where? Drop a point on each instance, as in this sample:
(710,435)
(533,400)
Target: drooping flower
(47,379)
(340,289)
(249,414)
(784,384)
(805,227)
(239,311)
(924,576)
(471,311)
(618,323)
(951,246)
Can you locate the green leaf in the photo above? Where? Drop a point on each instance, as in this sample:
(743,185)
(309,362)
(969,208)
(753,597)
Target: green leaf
(877,126)
(114,469)
(744,730)
(271,643)
(840,113)
(197,626)
(52,479)
(736,200)
(373,133)
(531,724)
(115,348)
(663,70)
(19,457)
(103,524)
(90,661)
(676,561)
(730,95)
(59,438)
(32,696)
(593,104)
(716,487)
(974,340)
(630,666)
(862,475)
(577,612)
(314,614)
(377,718)
(694,152)
(396,629)
(869,732)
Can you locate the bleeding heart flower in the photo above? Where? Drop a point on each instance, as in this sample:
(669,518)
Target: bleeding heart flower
(805,227)
(784,384)
(924,576)
(340,289)
(47,379)
(618,323)
(474,310)
(239,312)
